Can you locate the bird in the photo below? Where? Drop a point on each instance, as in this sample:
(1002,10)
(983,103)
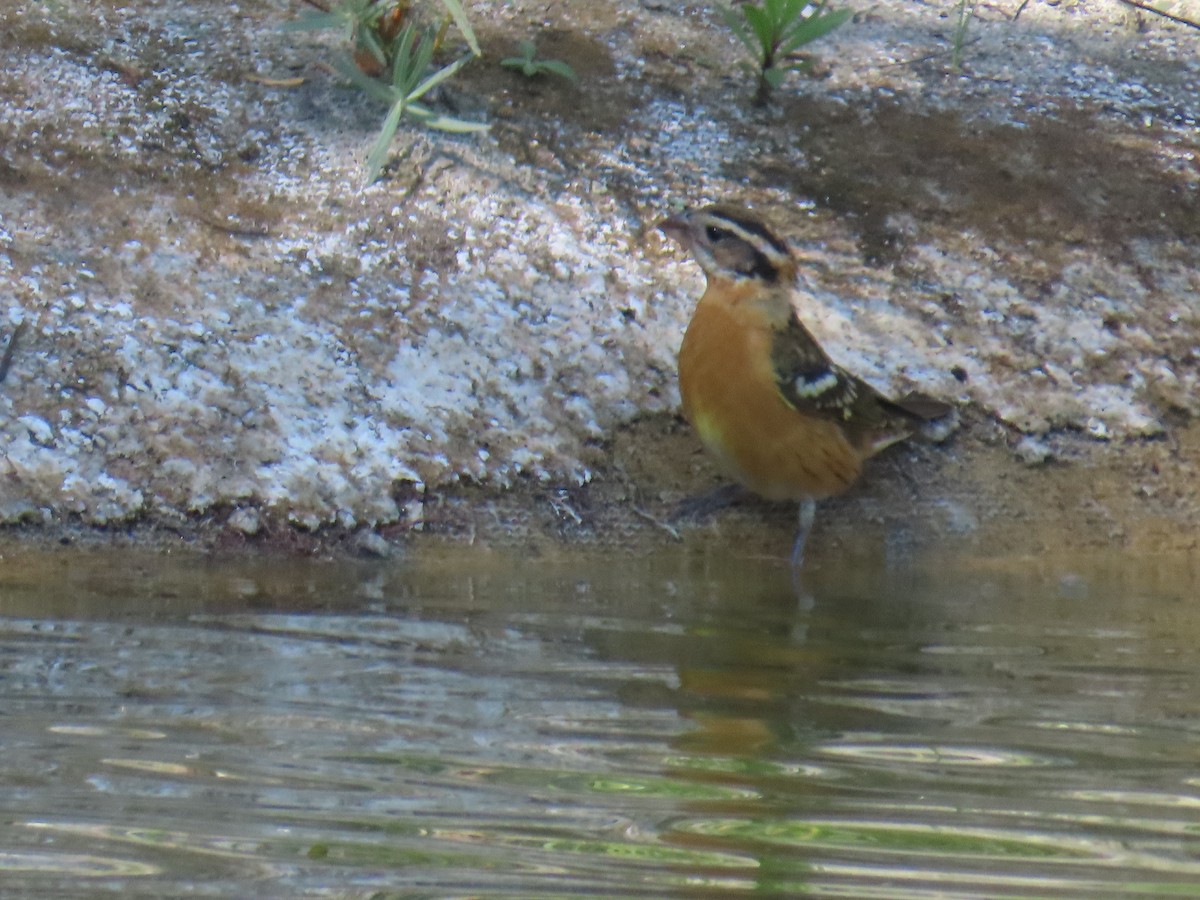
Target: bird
(770,406)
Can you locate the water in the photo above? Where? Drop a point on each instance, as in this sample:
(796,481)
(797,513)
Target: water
(461,725)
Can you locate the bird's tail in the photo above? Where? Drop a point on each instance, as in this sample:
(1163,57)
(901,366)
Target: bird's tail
(912,414)
(933,420)
(921,408)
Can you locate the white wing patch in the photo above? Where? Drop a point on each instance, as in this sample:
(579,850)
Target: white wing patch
(814,387)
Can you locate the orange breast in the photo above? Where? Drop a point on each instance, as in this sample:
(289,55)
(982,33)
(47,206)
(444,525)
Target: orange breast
(730,398)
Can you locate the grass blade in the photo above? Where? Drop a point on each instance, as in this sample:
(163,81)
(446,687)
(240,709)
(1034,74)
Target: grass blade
(430,119)
(559,68)
(379,151)
(760,23)
(459,15)
(422,57)
(349,68)
(370,41)
(313,21)
(774,76)
(792,10)
(811,29)
(401,56)
(438,77)
(737,24)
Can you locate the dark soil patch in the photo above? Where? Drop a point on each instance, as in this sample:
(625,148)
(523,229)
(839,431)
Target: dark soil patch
(1062,181)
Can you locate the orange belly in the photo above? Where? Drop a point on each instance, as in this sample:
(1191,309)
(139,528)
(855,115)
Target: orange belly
(731,399)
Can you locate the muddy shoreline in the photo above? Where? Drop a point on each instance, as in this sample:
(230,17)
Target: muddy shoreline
(230,342)
(970,497)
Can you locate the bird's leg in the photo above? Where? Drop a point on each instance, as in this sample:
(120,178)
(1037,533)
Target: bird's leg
(804,523)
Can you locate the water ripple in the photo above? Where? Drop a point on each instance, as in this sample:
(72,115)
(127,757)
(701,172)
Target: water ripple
(675,732)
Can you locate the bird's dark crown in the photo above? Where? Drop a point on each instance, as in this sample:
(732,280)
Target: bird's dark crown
(732,242)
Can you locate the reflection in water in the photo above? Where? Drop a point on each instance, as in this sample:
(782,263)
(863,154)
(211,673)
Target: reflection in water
(670,727)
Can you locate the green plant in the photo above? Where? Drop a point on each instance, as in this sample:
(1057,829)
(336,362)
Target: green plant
(966,9)
(358,20)
(411,59)
(385,42)
(530,66)
(773,30)
(373,25)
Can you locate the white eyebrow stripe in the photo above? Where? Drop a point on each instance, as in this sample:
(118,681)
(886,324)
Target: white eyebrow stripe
(757,241)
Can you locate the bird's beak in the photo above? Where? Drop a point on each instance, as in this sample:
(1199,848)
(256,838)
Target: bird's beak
(675,227)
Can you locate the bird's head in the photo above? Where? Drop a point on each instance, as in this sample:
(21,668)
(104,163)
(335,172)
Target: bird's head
(732,243)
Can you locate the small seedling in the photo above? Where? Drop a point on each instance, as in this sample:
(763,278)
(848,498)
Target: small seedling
(530,66)
(361,23)
(966,9)
(384,40)
(373,26)
(773,30)
(411,59)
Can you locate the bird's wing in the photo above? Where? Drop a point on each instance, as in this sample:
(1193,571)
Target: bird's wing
(811,382)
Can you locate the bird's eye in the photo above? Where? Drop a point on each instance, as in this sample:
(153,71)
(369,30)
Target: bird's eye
(715,234)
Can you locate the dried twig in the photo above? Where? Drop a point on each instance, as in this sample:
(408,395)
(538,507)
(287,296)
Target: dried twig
(669,529)
(563,509)
(928,57)
(6,359)
(234,226)
(268,81)
(1138,4)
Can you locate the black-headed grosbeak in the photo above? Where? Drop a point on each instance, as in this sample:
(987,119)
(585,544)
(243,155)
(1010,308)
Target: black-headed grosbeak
(776,413)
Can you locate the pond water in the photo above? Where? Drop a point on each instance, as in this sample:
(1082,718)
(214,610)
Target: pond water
(459,724)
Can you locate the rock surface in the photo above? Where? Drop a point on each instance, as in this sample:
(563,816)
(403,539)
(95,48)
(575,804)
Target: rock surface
(222,330)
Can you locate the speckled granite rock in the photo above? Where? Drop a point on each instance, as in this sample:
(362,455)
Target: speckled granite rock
(221,319)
